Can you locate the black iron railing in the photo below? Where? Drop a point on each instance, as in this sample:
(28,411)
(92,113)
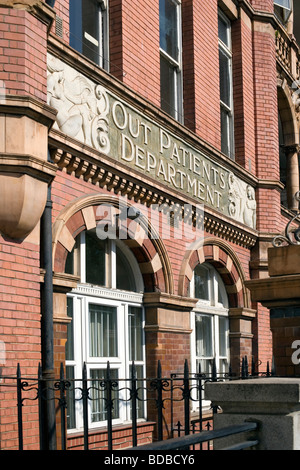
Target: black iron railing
(176,395)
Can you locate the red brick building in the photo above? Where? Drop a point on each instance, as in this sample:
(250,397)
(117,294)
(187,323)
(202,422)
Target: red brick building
(149,155)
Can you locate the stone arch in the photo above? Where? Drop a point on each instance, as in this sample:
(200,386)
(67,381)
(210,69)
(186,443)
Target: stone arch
(288,113)
(289,147)
(150,252)
(220,255)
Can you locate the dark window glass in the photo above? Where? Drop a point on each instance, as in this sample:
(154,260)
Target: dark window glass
(95,259)
(201,276)
(225,76)
(86,29)
(169,28)
(125,277)
(167,86)
(70,331)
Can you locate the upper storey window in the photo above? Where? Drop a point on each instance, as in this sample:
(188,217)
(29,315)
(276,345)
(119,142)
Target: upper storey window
(283,9)
(170,57)
(89,29)
(226,95)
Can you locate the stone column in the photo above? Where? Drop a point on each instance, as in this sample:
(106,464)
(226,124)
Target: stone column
(273,402)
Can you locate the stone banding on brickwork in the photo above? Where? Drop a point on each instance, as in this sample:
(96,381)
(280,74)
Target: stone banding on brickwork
(82,215)
(223,258)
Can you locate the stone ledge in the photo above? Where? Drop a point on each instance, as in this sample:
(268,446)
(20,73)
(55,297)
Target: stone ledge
(239,393)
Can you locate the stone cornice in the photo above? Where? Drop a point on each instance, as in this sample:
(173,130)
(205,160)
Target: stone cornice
(111,175)
(28,106)
(27,164)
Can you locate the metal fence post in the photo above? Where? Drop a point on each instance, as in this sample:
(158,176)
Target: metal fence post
(186,397)
(134,403)
(20,405)
(109,407)
(63,406)
(159,403)
(85,407)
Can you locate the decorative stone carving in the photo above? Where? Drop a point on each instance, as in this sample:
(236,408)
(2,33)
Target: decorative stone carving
(97,117)
(242,203)
(82,106)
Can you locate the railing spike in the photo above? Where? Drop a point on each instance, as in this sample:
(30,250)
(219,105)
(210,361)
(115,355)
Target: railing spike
(214,371)
(159,369)
(62,375)
(186,368)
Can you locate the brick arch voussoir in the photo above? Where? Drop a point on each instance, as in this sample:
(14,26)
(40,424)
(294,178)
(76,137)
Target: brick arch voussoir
(223,258)
(151,255)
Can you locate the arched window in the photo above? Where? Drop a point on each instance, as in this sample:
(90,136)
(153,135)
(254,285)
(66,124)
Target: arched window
(210,323)
(106,322)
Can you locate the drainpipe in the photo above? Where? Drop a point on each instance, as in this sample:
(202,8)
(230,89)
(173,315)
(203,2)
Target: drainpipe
(48,421)
(48,441)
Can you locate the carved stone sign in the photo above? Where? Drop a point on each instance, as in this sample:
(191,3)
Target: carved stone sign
(95,116)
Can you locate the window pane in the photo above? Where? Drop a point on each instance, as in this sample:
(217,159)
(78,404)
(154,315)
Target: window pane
(71,423)
(86,28)
(201,277)
(125,277)
(103,331)
(204,345)
(95,259)
(167,86)
(98,395)
(91,36)
(283,3)
(168,22)
(223,330)
(205,366)
(223,31)
(225,77)
(75,25)
(135,329)
(70,331)
(225,131)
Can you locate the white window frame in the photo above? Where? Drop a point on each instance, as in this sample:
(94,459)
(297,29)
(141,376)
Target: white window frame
(102,41)
(177,105)
(213,309)
(284,11)
(84,295)
(226,49)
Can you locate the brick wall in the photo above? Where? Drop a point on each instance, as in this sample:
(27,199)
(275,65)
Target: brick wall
(134,46)
(243,93)
(201,81)
(264,5)
(20,333)
(20,305)
(23,45)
